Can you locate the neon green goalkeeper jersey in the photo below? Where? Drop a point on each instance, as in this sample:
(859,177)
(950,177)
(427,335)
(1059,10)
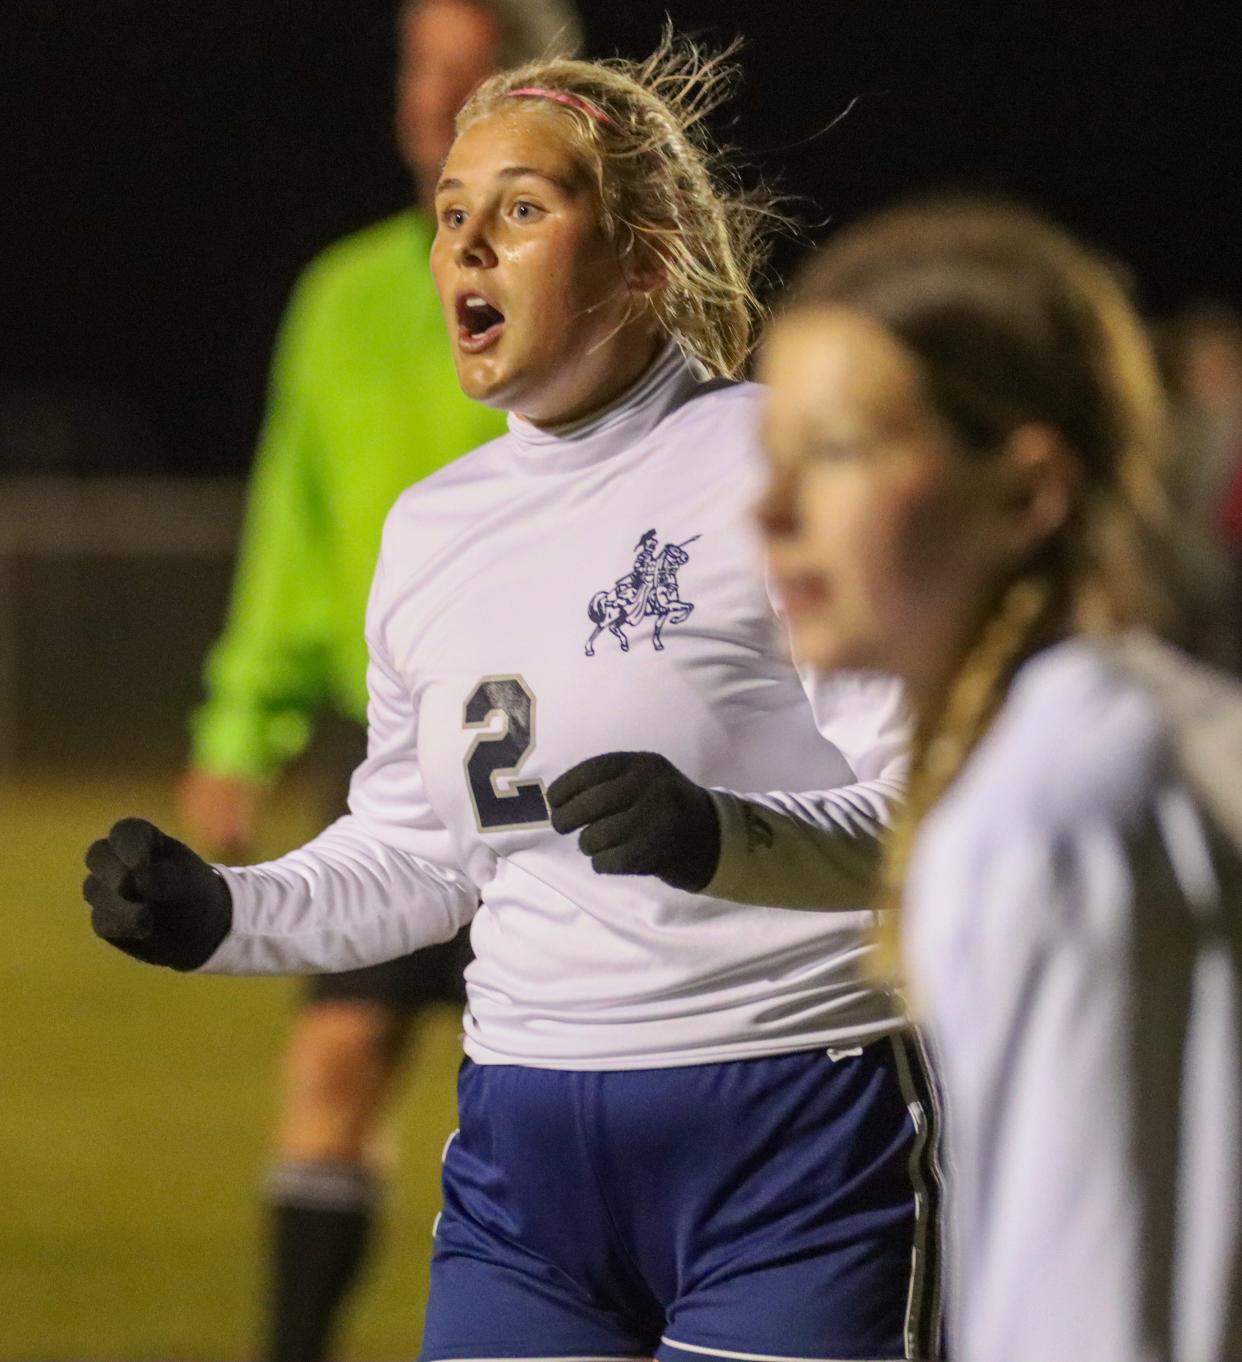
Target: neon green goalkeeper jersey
(364,401)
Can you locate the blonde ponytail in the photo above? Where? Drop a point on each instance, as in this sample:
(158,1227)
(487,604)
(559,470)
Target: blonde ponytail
(1025,617)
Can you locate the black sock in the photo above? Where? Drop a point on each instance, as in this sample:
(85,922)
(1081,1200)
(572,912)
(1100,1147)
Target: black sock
(322,1216)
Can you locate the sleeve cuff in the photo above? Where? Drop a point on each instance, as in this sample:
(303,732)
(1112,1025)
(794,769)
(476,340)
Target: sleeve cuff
(776,859)
(744,831)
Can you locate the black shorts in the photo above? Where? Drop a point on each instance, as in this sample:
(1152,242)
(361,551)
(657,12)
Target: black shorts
(411,982)
(406,984)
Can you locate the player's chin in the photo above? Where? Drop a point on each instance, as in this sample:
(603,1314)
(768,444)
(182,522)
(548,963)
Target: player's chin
(485,379)
(820,643)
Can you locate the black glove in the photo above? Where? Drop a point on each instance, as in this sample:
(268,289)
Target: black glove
(640,816)
(154,898)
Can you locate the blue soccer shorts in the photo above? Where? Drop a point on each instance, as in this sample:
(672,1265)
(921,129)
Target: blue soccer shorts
(762,1209)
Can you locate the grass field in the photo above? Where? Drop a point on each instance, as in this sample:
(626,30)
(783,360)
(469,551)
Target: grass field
(136,1110)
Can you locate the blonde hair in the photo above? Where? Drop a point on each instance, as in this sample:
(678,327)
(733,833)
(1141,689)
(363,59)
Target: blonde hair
(1012,322)
(662,193)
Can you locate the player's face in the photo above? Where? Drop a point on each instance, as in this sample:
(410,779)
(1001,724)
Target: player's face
(884,540)
(444,49)
(541,315)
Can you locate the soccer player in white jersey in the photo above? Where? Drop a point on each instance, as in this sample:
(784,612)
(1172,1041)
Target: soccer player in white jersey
(962,423)
(688,1129)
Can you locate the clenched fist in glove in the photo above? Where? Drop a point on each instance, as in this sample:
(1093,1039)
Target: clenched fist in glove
(154,898)
(639,816)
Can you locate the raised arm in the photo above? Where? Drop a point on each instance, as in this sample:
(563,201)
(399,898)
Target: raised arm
(638,815)
(379,883)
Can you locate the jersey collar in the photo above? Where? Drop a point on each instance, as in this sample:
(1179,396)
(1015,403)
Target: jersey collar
(667,382)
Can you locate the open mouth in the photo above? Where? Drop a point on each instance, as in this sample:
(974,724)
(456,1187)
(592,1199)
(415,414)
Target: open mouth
(479,323)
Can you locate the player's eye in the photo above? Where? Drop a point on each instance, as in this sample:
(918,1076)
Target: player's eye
(453,217)
(525,211)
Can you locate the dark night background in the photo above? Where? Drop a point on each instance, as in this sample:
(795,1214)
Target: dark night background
(169,169)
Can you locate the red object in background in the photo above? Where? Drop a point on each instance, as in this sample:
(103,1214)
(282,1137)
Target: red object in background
(1229,521)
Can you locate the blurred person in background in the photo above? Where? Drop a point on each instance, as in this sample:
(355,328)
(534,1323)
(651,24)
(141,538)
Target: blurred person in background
(364,400)
(1201,353)
(966,424)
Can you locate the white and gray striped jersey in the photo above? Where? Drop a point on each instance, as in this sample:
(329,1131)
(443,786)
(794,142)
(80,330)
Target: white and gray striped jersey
(552,596)
(1074,943)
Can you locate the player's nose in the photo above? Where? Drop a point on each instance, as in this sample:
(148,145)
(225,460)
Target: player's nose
(474,249)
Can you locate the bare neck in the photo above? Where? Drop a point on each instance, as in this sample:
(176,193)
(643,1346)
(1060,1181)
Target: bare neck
(631,364)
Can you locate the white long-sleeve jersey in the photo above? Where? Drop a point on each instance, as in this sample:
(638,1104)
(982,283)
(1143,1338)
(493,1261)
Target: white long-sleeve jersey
(1074,941)
(552,596)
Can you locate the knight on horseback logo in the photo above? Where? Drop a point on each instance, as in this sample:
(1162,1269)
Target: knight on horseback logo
(648,590)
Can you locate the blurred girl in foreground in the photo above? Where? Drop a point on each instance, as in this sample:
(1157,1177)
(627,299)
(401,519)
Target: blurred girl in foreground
(962,424)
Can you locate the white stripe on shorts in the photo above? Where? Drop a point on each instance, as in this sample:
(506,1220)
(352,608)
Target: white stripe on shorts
(923,1305)
(757,1357)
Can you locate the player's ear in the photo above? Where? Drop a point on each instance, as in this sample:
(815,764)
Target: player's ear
(644,271)
(1037,482)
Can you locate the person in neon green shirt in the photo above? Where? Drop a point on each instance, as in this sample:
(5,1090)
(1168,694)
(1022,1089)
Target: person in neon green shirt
(364,400)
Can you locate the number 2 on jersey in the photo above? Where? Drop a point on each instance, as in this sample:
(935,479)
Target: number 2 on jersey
(501,754)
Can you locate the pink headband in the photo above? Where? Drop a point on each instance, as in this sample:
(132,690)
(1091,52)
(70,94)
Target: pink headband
(564,97)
